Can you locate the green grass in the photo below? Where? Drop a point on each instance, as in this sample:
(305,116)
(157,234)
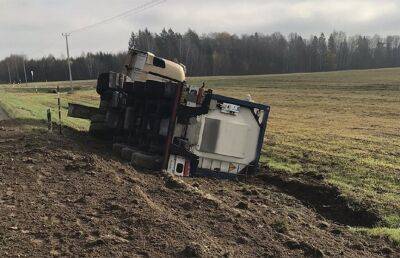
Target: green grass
(33,106)
(281,165)
(391,233)
(344,125)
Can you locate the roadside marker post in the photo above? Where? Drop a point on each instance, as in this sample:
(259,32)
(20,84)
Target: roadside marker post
(59,108)
(49,123)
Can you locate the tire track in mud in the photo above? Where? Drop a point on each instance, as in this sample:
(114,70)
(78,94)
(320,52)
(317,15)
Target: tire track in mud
(325,199)
(306,234)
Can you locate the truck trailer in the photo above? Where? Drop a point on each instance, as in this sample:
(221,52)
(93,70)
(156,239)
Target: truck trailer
(157,121)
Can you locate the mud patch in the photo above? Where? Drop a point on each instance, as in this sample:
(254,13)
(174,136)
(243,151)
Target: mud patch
(323,198)
(309,250)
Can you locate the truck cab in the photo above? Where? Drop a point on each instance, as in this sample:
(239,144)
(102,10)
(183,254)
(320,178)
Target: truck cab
(145,66)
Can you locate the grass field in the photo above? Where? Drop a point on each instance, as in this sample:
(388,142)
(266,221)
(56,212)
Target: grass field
(343,125)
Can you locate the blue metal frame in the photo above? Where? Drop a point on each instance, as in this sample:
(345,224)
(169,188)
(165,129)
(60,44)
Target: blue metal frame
(240,102)
(263,130)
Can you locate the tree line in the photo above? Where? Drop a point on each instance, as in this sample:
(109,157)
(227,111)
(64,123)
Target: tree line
(85,67)
(223,54)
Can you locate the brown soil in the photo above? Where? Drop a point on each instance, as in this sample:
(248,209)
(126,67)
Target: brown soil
(327,200)
(67,196)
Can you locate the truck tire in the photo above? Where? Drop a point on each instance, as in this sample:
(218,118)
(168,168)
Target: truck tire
(100,130)
(152,162)
(127,152)
(98,119)
(104,104)
(117,148)
(129,120)
(113,118)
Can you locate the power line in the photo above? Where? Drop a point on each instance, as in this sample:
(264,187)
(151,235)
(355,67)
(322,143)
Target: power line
(148,5)
(135,10)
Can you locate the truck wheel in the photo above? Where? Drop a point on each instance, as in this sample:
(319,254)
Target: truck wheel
(146,161)
(98,119)
(126,153)
(100,130)
(113,118)
(117,148)
(129,120)
(104,104)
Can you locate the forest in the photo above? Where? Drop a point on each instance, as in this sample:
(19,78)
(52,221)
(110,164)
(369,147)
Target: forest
(221,54)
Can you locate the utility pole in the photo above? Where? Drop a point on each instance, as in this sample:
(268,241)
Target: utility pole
(66,35)
(26,79)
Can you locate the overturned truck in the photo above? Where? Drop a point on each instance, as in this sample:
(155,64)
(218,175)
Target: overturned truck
(157,121)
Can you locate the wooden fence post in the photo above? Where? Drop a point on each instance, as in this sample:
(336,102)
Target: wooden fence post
(49,122)
(59,108)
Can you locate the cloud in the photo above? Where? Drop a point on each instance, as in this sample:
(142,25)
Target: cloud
(34,27)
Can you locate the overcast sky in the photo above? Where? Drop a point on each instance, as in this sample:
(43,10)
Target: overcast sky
(34,27)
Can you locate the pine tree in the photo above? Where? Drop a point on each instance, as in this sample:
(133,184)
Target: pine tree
(132,41)
(332,62)
(323,52)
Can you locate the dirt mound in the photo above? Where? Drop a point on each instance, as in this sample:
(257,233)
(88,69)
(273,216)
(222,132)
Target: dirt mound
(68,196)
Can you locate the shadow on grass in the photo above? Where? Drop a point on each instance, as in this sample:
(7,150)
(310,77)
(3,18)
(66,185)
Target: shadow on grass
(39,128)
(52,90)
